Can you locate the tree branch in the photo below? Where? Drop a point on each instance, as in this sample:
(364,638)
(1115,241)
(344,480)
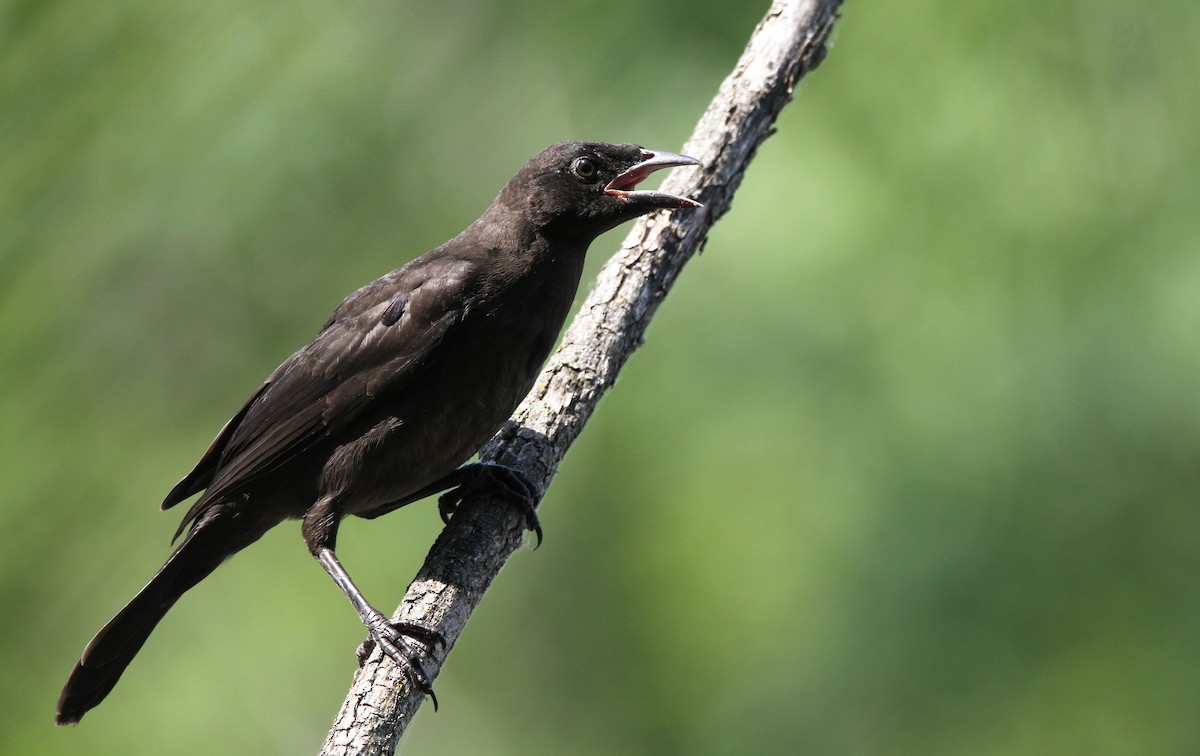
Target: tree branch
(788,42)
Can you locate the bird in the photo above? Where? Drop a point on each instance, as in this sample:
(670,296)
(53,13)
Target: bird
(400,387)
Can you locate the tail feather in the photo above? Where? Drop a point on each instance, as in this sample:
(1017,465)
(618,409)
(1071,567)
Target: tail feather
(105,658)
(109,653)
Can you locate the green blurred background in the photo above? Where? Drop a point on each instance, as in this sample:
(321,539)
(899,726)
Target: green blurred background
(909,464)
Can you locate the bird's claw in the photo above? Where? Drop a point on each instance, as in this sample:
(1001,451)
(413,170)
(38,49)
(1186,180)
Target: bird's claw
(509,482)
(448,504)
(392,638)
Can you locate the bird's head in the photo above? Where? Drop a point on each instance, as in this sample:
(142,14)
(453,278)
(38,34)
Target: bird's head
(583,189)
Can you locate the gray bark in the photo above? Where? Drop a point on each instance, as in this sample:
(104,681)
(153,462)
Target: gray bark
(789,41)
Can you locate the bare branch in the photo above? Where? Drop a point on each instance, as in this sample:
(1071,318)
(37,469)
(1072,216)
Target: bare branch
(788,42)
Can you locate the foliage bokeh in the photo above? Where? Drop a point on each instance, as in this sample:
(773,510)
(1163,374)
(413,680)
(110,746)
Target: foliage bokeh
(909,464)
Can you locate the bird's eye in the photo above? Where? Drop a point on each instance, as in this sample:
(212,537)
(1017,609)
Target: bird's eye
(584,168)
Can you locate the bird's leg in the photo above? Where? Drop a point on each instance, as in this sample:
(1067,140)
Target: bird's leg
(320,529)
(388,634)
(508,482)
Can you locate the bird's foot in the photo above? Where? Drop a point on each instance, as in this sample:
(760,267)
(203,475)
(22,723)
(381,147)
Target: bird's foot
(393,639)
(509,482)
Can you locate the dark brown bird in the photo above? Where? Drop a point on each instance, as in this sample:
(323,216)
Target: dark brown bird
(406,380)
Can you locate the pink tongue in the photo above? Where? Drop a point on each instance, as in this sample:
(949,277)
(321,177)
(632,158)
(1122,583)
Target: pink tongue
(631,178)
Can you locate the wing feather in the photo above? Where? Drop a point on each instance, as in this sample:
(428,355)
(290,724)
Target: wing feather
(365,351)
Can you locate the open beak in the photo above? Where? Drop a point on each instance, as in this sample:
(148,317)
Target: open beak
(623,185)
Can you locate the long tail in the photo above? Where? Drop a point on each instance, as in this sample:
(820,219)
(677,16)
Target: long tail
(105,658)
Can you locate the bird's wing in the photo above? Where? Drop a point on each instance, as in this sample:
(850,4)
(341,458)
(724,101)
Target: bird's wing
(202,474)
(376,341)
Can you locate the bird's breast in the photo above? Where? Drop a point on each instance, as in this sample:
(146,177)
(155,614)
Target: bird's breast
(471,383)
